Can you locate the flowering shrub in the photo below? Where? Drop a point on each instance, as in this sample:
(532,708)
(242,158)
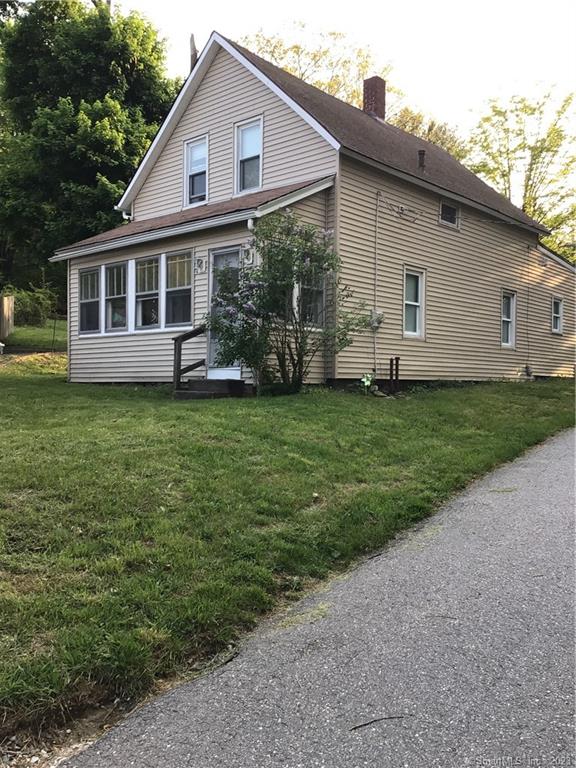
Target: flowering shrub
(286,309)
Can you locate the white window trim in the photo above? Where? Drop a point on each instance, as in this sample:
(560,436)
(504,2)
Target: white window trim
(420,334)
(97,269)
(445,223)
(205,137)
(131,329)
(158,291)
(237,127)
(560,330)
(108,331)
(512,319)
(166,290)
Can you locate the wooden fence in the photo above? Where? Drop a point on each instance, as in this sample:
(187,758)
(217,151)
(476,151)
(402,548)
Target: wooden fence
(6,316)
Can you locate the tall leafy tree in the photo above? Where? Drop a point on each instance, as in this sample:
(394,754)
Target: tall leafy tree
(330,62)
(82,93)
(527,152)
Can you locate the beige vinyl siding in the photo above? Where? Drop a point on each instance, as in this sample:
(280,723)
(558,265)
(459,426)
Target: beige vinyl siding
(229,93)
(465,269)
(147,355)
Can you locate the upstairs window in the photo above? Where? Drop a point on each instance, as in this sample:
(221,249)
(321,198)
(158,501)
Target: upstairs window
(249,155)
(147,312)
(90,300)
(413,303)
(508,318)
(196,171)
(116,297)
(178,288)
(557,315)
(449,214)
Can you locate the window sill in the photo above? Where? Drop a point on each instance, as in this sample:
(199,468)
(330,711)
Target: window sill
(509,347)
(247,191)
(414,336)
(449,225)
(195,205)
(136,332)
(557,333)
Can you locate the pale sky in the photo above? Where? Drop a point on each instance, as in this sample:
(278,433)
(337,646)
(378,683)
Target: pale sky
(448,57)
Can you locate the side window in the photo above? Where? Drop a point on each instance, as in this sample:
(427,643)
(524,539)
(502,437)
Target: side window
(89,321)
(178,288)
(116,297)
(249,155)
(508,318)
(147,293)
(557,315)
(196,171)
(413,303)
(449,214)
(312,302)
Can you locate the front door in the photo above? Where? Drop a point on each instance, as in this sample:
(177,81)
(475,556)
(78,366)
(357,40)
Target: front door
(221,259)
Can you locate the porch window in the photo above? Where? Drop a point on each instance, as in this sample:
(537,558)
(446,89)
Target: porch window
(116,297)
(196,171)
(508,318)
(178,288)
(557,315)
(90,300)
(147,314)
(249,154)
(413,303)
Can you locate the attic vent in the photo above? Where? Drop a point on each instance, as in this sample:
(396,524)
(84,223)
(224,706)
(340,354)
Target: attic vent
(422,159)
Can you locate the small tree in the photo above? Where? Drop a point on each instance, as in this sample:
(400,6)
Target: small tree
(289,307)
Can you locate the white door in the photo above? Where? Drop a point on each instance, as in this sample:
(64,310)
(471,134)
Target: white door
(221,259)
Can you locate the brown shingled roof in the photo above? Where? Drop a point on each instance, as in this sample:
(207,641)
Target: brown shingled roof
(208,211)
(386,144)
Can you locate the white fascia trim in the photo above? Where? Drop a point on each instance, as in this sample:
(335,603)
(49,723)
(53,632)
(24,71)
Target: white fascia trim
(276,90)
(178,108)
(159,234)
(294,197)
(447,194)
(552,256)
(183,99)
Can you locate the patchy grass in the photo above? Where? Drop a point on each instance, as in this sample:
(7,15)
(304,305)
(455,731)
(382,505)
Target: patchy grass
(139,534)
(51,337)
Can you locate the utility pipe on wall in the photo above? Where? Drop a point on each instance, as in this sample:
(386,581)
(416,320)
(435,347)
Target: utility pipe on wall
(376,318)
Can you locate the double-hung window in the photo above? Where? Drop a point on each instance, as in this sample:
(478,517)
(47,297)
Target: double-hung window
(116,318)
(147,309)
(249,155)
(413,303)
(178,288)
(557,315)
(312,301)
(508,318)
(90,300)
(196,171)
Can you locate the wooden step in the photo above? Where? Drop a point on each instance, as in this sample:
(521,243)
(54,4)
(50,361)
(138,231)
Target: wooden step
(234,387)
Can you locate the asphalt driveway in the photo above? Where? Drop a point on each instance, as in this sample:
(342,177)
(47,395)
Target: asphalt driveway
(454,647)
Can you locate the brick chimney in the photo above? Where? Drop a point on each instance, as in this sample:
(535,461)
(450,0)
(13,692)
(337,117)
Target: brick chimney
(375,97)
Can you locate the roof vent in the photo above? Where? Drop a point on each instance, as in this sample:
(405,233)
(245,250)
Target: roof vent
(374,103)
(422,159)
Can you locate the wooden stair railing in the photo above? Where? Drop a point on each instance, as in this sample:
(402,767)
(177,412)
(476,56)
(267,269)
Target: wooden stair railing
(179,371)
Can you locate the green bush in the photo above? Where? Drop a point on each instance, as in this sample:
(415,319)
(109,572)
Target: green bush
(32,307)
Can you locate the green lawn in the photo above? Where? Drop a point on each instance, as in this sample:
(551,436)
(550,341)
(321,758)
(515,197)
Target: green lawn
(51,337)
(139,535)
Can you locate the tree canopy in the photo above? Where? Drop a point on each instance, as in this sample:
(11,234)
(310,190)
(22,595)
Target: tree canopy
(334,65)
(526,151)
(82,91)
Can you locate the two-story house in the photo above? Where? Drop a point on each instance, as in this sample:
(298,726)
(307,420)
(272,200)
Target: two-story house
(454,271)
